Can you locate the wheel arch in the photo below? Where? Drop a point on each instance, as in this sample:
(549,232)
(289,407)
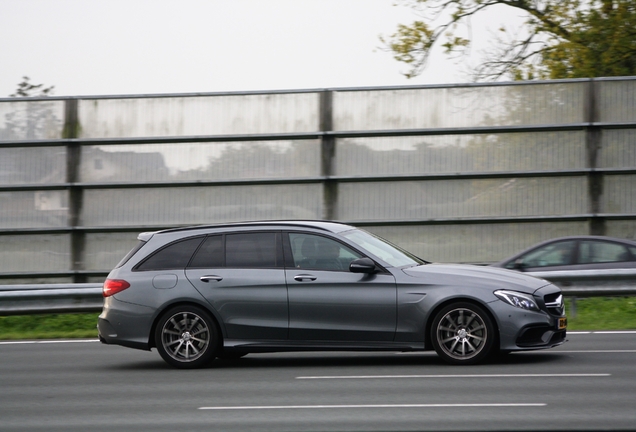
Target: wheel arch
(428,343)
(160,313)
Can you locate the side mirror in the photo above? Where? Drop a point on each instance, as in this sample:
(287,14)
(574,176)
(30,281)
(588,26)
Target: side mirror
(519,265)
(362,265)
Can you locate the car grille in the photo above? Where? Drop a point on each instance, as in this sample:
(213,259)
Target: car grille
(554,304)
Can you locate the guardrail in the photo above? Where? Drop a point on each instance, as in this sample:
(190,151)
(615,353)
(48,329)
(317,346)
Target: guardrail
(87,297)
(50,298)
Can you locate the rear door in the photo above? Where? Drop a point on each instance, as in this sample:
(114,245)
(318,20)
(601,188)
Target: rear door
(242,276)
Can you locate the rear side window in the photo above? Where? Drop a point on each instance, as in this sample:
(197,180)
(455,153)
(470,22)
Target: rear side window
(174,256)
(130,254)
(602,252)
(210,254)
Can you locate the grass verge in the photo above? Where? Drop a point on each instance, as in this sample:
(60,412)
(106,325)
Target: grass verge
(598,313)
(601,313)
(53,326)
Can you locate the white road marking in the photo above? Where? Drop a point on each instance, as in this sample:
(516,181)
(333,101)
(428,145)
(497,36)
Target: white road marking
(573,375)
(602,332)
(591,351)
(291,407)
(59,341)
(615,332)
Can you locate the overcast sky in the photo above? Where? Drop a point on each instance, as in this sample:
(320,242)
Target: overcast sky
(106,47)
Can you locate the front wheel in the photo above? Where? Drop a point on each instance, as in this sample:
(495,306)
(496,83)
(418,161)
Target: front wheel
(187,337)
(463,333)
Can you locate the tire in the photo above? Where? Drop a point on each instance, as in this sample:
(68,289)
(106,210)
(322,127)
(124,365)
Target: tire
(187,337)
(463,334)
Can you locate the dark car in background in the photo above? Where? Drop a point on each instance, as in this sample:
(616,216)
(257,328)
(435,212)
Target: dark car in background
(574,253)
(198,293)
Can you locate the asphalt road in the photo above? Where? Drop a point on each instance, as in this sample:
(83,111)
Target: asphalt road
(587,384)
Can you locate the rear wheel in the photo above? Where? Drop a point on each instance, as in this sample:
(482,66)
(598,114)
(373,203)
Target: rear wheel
(463,333)
(187,337)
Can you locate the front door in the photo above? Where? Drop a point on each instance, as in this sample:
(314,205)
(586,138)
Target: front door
(329,303)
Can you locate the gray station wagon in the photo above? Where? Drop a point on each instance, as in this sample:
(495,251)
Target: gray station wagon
(199,293)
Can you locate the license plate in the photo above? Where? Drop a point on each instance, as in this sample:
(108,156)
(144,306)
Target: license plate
(563,323)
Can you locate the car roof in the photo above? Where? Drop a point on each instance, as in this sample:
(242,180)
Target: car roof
(329,226)
(626,242)
(587,237)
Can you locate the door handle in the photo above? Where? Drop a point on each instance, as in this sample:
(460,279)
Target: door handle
(211,278)
(304,277)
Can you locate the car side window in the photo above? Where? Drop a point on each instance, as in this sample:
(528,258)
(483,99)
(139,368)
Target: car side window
(254,250)
(174,256)
(210,254)
(602,252)
(320,253)
(553,254)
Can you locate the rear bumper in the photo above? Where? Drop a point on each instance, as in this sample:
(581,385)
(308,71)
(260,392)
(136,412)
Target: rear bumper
(125,324)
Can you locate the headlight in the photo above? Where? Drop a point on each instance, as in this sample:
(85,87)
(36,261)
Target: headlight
(517,299)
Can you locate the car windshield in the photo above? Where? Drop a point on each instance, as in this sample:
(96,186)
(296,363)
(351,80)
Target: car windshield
(382,249)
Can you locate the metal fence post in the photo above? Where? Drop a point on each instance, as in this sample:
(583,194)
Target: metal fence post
(75,198)
(572,310)
(328,153)
(593,144)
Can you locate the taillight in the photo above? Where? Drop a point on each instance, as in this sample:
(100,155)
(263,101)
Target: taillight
(113,286)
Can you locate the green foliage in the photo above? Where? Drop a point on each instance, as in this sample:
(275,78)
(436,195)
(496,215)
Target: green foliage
(598,313)
(560,38)
(602,313)
(81,325)
(602,43)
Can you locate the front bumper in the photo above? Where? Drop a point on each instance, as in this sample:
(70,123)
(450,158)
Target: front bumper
(521,329)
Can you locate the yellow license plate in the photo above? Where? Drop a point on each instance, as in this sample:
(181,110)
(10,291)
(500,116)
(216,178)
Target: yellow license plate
(563,323)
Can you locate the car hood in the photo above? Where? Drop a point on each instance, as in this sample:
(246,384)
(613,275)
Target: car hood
(472,275)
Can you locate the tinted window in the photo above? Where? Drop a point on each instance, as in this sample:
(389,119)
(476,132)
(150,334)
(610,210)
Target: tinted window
(130,254)
(210,254)
(174,256)
(554,254)
(602,252)
(320,253)
(253,250)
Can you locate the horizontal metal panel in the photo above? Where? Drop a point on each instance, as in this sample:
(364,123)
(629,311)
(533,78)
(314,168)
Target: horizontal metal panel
(538,151)
(618,149)
(474,243)
(200,205)
(34,209)
(472,106)
(617,101)
(35,253)
(36,280)
(104,250)
(32,165)
(31,120)
(201,161)
(201,115)
(619,194)
(413,200)
(621,229)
